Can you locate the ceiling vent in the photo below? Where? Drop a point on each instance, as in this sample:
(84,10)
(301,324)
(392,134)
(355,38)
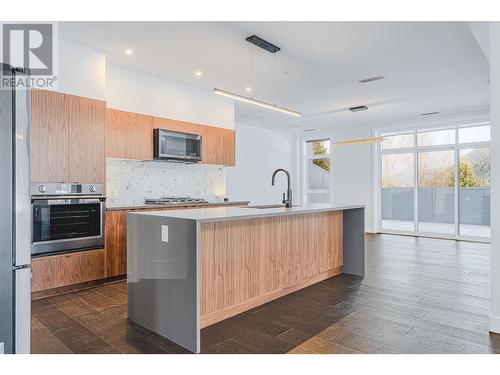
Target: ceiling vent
(429,113)
(308,130)
(371,79)
(358,108)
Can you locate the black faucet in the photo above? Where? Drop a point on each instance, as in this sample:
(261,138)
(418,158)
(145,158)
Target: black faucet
(288,200)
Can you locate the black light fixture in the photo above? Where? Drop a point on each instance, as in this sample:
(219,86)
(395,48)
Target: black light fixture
(358,108)
(264,44)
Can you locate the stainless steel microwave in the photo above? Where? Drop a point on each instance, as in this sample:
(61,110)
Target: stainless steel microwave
(176,146)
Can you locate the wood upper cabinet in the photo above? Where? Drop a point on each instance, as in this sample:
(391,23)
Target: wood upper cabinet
(86,139)
(139,137)
(49,136)
(218,144)
(67,138)
(115,133)
(128,135)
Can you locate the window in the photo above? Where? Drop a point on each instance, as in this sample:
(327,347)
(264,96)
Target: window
(397,141)
(436,181)
(435,138)
(474,134)
(317,171)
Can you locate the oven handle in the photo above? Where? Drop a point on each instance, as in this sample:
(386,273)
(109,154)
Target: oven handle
(100,198)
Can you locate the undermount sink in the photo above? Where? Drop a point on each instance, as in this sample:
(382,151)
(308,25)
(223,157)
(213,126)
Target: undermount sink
(264,206)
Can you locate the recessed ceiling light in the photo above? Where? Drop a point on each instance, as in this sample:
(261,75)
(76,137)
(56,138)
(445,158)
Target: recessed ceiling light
(371,79)
(429,113)
(358,108)
(198,73)
(248,89)
(128,51)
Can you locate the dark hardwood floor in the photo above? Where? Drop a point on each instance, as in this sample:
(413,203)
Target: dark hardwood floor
(419,296)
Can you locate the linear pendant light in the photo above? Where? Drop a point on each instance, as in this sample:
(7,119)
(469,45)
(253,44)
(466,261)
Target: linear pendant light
(359,141)
(257,102)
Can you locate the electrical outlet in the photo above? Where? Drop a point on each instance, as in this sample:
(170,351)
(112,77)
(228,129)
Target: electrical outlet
(164,233)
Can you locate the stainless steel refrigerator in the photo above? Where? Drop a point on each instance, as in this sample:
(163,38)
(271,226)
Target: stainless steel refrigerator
(15,215)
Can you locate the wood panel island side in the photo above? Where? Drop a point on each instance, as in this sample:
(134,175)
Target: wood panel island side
(189,269)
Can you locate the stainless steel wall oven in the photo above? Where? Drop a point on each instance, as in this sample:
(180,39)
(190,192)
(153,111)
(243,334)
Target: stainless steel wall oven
(67,217)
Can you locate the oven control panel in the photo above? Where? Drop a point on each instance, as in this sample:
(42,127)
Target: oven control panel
(49,189)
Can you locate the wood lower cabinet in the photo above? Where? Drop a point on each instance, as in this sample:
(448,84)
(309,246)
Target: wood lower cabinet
(66,269)
(245,263)
(67,138)
(116,238)
(116,243)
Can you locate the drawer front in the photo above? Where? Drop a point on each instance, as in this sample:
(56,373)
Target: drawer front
(67,269)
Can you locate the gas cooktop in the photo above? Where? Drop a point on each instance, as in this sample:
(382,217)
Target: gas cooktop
(175,200)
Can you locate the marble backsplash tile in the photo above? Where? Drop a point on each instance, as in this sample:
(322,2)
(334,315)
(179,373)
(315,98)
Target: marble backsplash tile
(130,182)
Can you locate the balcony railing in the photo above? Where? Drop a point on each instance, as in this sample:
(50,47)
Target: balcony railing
(437,205)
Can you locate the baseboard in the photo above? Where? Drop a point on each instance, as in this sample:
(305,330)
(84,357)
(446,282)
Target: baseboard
(370,230)
(75,287)
(494,323)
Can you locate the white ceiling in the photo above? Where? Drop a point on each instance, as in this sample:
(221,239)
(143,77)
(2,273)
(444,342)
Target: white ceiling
(429,66)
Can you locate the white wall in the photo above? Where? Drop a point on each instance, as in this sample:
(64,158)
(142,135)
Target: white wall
(134,91)
(81,70)
(495,176)
(259,152)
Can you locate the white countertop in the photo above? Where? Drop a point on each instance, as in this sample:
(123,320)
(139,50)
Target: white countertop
(176,205)
(236,213)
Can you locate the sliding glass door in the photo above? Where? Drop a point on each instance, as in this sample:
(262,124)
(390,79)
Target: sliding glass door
(436,182)
(474,192)
(398,186)
(436,192)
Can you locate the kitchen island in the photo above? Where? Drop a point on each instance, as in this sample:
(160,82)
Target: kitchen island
(189,269)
